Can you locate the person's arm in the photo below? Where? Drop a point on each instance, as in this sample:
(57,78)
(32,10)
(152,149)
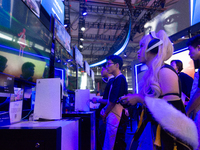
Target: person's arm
(109,107)
(132,99)
(98,100)
(194,102)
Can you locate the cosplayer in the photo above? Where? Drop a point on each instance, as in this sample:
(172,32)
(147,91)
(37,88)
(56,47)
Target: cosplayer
(163,110)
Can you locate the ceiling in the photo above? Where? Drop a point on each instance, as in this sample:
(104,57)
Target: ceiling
(105,23)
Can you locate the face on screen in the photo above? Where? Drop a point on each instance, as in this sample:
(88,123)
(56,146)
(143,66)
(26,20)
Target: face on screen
(171,20)
(168,22)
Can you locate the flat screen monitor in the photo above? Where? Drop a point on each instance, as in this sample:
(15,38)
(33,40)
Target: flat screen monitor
(92,74)
(65,67)
(195,11)
(87,67)
(34,5)
(54,7)
(62,35)
(25,43)
(82,78)
(78,56)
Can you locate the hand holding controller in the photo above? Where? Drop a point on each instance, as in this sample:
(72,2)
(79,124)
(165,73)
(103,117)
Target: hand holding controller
(121,100)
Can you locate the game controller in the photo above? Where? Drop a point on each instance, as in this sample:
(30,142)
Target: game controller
(120,101)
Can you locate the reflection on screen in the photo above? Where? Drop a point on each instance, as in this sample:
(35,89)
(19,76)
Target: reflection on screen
(54,7)
(65,67)
(24,41)
(61,35)
(34,5)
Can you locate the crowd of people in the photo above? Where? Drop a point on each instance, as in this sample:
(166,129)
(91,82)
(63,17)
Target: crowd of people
(166,122)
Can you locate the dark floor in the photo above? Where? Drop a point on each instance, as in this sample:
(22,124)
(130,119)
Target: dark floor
(130,133)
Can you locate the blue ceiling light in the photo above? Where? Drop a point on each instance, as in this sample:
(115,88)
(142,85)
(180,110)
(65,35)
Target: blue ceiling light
(119,51)
(84,12)
(125,54)
(98,63)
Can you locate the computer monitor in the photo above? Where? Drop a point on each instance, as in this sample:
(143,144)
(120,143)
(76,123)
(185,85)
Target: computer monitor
(25,43)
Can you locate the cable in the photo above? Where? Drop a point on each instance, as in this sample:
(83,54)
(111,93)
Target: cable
(27,114)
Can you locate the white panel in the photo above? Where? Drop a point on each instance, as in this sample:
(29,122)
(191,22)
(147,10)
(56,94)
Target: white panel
(82,102)
(47,99)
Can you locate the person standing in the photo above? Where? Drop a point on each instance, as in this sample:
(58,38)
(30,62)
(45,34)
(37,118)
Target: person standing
(163,114)
(114,114)
(194,103)
(186,80)
(101,127)
(193,106)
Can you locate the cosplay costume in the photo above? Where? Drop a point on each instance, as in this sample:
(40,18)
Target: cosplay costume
(170,128)
(118,88)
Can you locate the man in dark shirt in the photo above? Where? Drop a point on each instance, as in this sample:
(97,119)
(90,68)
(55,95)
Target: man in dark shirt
(193,106)
(100,126)
(194,47)
(113,114)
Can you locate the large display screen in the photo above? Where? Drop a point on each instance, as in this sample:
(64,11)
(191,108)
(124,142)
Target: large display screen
(61,35)
(195,11)
(173,20)
(34,5)
(92,74)
(65,67)
(54,7)
(87,67)
(25,43)
(78,56)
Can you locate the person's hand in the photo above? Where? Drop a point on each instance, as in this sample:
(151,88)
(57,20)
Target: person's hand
(103,115)
(131,99)
(94,100)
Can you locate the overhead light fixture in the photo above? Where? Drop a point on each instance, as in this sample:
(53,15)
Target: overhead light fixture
(66,23)
(125,54)
(83,26)
(81,44)
(84,12)
(81,37)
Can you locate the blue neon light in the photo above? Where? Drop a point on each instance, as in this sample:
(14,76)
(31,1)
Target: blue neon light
(13,49)
(136,78)
(119,51)
(98,63)
(180,50)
